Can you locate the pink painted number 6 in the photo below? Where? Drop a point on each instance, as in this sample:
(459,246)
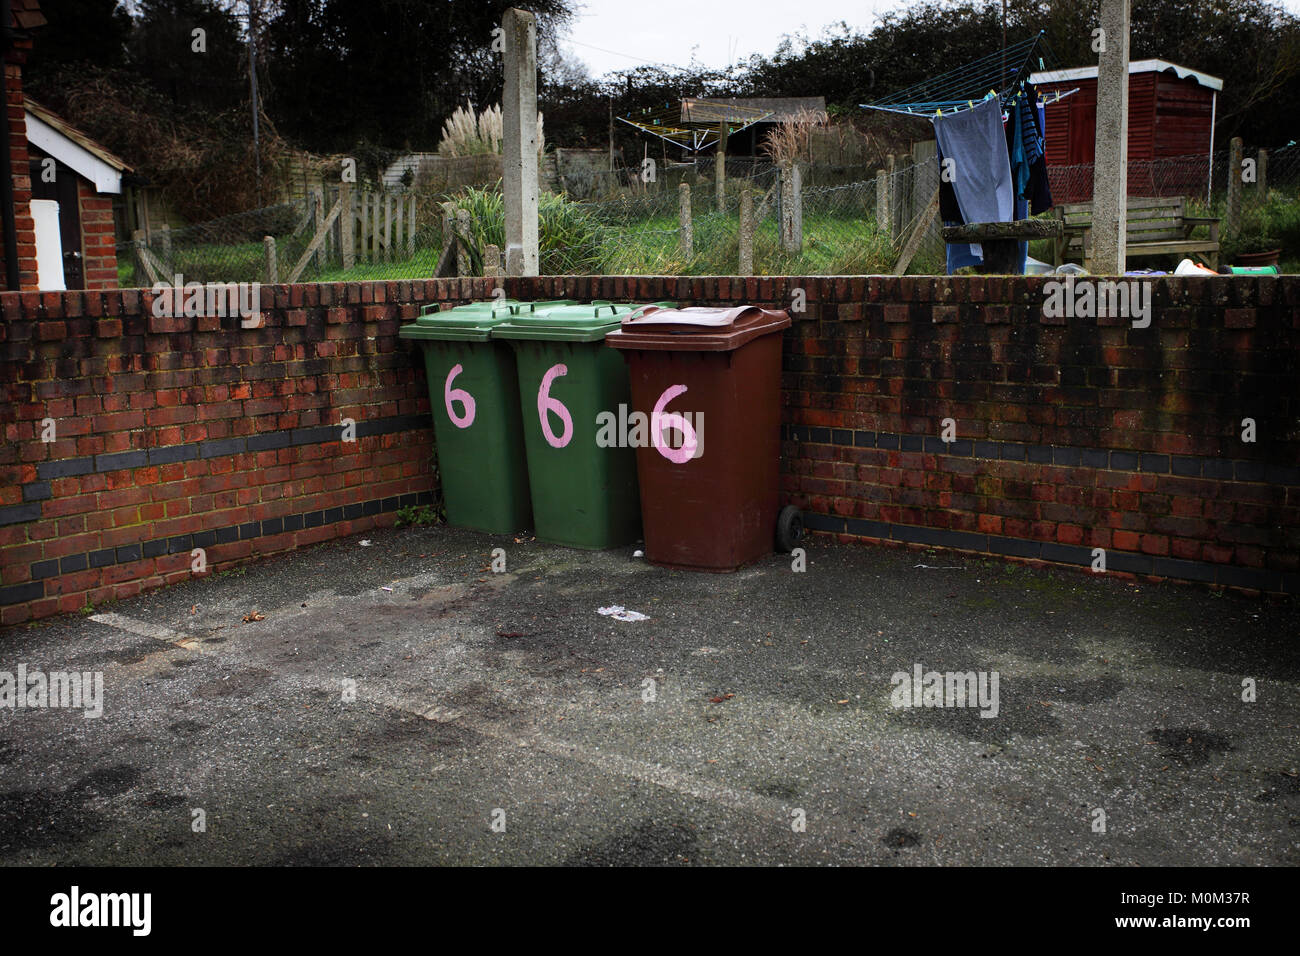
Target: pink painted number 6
(458,395)
(661,422)
(545,403)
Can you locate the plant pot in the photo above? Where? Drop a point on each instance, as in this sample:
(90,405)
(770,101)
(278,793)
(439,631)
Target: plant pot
(1269,258)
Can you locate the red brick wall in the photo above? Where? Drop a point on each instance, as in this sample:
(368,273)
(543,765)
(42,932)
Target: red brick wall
(1072,434)
(175,433)
(98,240)
(18,158)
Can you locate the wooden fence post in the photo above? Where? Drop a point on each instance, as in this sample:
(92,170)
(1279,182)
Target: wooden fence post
(399,240)
(410,230)
(363,221)
(318,214)
(347,225)
(901,201)
(388,227)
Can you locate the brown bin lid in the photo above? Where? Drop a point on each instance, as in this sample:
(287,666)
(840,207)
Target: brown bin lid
(695,329)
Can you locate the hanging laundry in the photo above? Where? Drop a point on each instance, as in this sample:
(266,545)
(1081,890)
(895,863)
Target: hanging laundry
(949,211)
(976,143)
(1040,192)
(1031,138)
(1016,148)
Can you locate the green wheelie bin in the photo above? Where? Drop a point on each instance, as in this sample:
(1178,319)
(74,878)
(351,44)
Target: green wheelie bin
(583,486)
(474,398)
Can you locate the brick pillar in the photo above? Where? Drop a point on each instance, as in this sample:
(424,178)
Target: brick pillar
(98,240)
(19,159)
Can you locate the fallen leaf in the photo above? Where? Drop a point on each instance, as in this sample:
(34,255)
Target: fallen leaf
(253,616)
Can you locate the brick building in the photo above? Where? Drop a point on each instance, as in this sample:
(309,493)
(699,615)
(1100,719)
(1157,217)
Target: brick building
(55,174)
(72,170)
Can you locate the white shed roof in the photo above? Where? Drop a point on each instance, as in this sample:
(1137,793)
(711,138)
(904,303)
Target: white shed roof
(1134,66)
(56,137)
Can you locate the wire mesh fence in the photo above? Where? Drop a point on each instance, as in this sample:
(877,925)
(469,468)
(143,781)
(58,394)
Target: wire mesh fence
(689,224)
(299,241)
(679,220)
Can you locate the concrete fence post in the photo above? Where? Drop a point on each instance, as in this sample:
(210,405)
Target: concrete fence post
(272,273)
(720,169)
(492,261)
(463,265)
(884,219)
(165,244)
(791,208)
(1110,170)
(686,237)
(1232,216)
(519,147)
(138,244)
(746,232)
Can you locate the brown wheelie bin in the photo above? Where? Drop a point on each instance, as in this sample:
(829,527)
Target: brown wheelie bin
(706,386)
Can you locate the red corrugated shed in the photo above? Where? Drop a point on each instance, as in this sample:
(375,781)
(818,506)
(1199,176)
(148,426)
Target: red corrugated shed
(1170,115)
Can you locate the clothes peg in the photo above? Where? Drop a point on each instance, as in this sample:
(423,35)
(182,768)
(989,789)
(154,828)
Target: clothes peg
(970,104)
(938,112)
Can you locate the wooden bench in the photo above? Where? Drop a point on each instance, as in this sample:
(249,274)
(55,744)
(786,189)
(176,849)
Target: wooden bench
(1155,226)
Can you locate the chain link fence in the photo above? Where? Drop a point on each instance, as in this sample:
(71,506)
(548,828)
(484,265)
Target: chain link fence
(393,235)
(835,223)
(675,219)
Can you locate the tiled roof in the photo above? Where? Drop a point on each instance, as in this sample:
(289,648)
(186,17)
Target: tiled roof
(26,14)
(64,128)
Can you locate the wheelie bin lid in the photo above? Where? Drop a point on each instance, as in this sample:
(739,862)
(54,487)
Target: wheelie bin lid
(567,322)
(472,322)
(695,329)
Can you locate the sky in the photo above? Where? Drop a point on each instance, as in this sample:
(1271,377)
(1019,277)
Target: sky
(620,34)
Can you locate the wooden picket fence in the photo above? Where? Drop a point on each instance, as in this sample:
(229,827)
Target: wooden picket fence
(362,226)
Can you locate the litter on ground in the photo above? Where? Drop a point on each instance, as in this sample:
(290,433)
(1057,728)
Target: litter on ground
(620,613)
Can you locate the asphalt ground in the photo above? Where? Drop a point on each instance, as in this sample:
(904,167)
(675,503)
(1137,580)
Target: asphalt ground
(399,702)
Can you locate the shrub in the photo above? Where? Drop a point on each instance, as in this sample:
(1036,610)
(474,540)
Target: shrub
(467,133)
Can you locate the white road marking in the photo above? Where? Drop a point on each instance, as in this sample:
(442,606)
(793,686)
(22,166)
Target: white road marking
(616,765)
(144,629)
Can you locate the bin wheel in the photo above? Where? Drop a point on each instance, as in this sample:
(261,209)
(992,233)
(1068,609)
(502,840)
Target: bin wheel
(789,529)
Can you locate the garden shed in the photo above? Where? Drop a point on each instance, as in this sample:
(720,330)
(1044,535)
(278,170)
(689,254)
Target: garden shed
(1170,129)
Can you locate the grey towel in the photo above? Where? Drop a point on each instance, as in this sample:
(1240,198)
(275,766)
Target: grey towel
(975,141)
